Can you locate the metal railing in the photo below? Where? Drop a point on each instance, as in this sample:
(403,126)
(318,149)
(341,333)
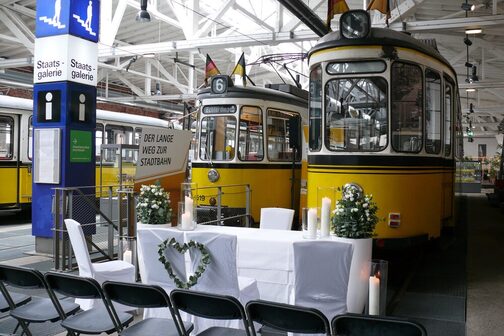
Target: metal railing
(100,218)
(219,194)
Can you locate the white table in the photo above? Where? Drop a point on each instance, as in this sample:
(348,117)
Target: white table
(266,255)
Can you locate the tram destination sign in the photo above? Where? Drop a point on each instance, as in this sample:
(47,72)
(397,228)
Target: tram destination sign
(65,58)
(162,152)
(219,109)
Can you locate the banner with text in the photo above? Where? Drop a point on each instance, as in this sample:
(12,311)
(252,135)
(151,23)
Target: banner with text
(65,58)
(162,152)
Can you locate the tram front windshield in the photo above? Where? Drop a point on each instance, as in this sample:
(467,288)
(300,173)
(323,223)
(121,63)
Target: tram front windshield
(218,138)
(356,114)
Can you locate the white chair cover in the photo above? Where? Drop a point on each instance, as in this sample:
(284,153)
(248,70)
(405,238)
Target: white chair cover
(152,271)
(221,275)
(323,283)
(276,218)
(116,270)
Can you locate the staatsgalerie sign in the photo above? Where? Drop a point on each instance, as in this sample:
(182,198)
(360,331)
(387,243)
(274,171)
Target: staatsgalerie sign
(65,58)
(162,152)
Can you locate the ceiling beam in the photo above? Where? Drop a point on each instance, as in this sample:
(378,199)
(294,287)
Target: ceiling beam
(217,42)
(449,24)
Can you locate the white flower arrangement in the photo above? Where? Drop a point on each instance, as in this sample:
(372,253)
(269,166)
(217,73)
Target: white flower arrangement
(153,205)
(354,215)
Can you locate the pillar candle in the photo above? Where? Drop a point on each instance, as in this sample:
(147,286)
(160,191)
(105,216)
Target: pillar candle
(325,216)
(374,295)
(312,222)
(188,207)
(186,221)
(127,256)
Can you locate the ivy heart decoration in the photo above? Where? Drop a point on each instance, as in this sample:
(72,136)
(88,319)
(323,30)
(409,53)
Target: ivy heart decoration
(183,248)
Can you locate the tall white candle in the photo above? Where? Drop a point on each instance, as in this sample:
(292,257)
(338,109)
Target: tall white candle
(186,221)
(188,207)
(128,256)
(312,222)
(374,295)
(325,213)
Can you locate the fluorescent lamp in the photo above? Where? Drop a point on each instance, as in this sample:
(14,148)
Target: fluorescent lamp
(474,31)
(470,90)
(468,7)
(149,55)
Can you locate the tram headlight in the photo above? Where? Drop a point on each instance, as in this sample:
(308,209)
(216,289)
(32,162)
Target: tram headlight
(356,188)
(213,175)
(355,24)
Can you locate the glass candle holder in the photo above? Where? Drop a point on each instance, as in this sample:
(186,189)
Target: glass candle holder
(309,222)
(377,303)
(186,219)
(188,189)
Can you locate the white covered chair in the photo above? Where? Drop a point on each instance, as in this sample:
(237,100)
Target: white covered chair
(276,218)
(221,275)
(323,283)
(116,270)
(152,271)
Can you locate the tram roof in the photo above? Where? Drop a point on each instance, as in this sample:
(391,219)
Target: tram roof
(380,37)
(27,105)
(255,92)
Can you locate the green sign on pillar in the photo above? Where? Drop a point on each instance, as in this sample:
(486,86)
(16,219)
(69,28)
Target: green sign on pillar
(80,146)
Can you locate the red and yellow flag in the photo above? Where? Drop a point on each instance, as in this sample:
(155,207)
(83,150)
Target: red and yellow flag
(380,5)
(210,69)
(240,70)
(335,7)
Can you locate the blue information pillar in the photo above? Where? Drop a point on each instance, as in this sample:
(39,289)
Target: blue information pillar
(64,111)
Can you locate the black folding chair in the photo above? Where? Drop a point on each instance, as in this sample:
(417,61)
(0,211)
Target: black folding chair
(365,325)
(39,309)
(144,296)
(287,318)
(93,321)
(212,306)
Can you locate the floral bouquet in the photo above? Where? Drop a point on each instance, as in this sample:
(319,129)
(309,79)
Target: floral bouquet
(153,205)
(355,214)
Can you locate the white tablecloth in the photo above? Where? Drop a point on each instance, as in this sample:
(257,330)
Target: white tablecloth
(266,255)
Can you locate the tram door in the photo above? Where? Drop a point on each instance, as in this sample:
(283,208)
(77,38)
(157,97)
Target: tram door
(9,160)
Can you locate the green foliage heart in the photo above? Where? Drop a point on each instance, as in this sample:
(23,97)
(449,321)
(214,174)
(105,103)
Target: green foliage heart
(183,248)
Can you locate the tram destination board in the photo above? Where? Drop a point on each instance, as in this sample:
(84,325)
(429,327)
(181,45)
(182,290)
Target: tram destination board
(219,109)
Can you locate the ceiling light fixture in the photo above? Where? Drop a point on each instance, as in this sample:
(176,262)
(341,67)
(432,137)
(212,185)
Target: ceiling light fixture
(149,55)
(474,31)
(470,90)
(143,15)
(468,7)
(474,75)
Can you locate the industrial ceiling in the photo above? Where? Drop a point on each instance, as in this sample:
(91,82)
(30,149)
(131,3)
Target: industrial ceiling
(161,63)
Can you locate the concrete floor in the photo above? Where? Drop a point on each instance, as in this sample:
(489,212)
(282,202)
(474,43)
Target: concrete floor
(485,268)
(485,263)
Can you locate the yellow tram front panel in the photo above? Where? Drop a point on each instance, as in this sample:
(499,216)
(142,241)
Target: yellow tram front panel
(415,194)
(270,186)
(9,188)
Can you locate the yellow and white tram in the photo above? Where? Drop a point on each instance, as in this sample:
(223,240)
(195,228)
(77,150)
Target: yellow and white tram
(243,138)
(383,114)
(16,147)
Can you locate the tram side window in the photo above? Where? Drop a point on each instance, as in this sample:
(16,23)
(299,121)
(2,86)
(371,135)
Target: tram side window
(137,136)
(6,137)
(356,114)
(30,138)
(432,112)
(407,107)
(116,134)
(448,102)
(315,110)
(250,146)
(218,138)
(98,140)
(278,136)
